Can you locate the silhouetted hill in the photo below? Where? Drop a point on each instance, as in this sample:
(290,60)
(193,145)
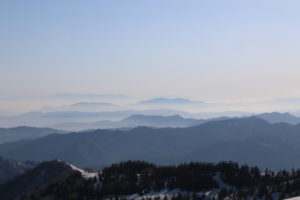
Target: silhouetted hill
(11,168)
(32,179)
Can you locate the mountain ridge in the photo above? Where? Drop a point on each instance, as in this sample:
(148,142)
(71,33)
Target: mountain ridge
(167,145)
(164,100)
(24,132)
(132,121)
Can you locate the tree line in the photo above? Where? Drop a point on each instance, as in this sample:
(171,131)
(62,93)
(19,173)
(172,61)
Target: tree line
(192,181)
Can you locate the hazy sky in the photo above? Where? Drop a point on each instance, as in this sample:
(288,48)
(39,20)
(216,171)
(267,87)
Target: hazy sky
(208,50)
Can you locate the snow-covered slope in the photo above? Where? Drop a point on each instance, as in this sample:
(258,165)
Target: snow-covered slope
(85,174)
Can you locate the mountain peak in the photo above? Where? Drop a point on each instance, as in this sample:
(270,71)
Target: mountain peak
(277,117)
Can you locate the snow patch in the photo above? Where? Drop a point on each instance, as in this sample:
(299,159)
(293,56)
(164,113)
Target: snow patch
(294,198)
(85,174)
(217,177)
(167,193)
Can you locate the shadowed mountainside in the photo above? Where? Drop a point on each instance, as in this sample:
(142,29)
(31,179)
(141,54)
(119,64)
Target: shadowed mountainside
(11,168)
(32,179)
(248,140)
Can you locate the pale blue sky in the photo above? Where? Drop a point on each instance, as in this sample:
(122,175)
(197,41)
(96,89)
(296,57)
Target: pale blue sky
(208,50)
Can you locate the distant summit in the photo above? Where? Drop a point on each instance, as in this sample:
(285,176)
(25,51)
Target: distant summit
(164,100)
(277,117)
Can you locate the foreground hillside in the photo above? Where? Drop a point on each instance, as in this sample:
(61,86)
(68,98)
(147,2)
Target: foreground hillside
(43,174)
(11,168)
(249,140)
(141,180)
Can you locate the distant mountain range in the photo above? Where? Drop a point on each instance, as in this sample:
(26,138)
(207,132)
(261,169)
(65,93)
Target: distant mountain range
(277,117)
(174,121)
(45,119)
(247,140)
(156,121)
(168,101)
(172,140)
(24,132)
(82,107)
(114,103)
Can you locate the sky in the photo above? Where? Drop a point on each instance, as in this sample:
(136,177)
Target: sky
(209,50)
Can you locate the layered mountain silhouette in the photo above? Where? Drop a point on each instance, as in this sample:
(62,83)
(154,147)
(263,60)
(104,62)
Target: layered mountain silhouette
(24,132)
(276,117)
(44,119)
(156,121)
(92,120)
(82,107)
(248,140)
